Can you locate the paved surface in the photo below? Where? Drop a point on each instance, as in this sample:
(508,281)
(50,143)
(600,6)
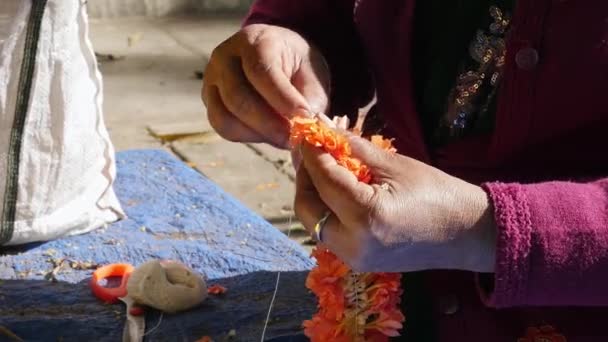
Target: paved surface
(150,8)
(159,8)
(152,70)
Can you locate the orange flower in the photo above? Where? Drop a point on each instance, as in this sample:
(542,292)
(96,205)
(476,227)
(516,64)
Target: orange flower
(391,281)
(321,329)
(330,269)
(318,134)
(388,323)
(380,299)
(325,282)
(348,301)
(385,144)
(332,304)
(216,289)
(385,291)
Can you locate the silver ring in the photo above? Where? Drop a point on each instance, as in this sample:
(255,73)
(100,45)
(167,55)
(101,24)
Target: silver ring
(320,225)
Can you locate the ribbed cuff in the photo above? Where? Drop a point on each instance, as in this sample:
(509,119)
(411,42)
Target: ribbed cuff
(514,230)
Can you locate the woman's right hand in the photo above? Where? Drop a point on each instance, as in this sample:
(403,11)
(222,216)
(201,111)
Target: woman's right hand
(259,78)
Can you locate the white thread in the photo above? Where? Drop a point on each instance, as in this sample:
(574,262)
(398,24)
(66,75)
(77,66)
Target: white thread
(160,319)
(357,305)
(276,289)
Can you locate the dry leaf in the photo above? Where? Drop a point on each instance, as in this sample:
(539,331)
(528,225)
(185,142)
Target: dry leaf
(266,186)
(134,39)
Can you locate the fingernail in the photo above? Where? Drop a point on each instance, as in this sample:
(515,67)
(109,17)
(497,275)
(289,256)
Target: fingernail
(317,106)
(326,120)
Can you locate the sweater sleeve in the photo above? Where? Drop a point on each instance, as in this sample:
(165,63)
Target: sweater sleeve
(552,245)
(329,26)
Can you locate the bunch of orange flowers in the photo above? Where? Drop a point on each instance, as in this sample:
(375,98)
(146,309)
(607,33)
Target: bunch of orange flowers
(352,306)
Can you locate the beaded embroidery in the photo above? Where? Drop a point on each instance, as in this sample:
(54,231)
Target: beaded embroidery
(488,50)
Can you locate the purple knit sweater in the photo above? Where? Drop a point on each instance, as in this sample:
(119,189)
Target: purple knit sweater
(544,167)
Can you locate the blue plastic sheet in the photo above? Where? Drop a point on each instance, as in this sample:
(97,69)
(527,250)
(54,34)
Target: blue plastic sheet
(173,213)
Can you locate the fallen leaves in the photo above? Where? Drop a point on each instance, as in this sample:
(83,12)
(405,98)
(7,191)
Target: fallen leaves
(61,264)
(108,57)
(218,163)
(174,133)
(134,38)
(50,252)
(267,186)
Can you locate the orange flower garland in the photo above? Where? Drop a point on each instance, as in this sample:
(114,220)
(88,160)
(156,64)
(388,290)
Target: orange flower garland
(352,306)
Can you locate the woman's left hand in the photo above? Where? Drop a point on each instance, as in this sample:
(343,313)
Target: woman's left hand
(413,217)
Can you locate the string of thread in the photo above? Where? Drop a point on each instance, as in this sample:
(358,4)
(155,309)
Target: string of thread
(357,304)
(160,319)
(276,289)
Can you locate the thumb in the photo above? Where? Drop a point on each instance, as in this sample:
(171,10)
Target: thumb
(370,154)
(312,81)
(339,189)
(274,86)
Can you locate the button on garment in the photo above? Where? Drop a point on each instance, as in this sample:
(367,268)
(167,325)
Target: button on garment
(526,58)
(449,305)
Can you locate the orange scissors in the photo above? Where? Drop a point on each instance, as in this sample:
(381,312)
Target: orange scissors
(135,325)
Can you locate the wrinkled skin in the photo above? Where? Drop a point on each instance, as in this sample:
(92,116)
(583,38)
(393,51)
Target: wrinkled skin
(259,78)
(413,217)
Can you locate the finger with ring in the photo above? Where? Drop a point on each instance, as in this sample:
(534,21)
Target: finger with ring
(318,229)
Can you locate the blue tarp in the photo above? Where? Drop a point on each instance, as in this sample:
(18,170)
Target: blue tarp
(173,213)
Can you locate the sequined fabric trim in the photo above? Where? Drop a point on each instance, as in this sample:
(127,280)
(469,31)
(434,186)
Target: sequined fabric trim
(466,100)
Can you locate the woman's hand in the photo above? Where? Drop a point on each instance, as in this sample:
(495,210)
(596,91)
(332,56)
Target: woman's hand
(259,76)
(414,217)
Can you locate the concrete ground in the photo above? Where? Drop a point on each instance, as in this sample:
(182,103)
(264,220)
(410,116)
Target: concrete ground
(152,69)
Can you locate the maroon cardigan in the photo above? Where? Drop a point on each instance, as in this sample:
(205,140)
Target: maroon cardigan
(543,167)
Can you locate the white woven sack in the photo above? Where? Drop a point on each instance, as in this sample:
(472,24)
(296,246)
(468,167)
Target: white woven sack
(57,163)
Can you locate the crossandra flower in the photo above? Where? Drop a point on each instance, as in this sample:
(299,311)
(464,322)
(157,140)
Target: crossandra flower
(388,322)
(385,292)
(325,281)
(320,135)
(321,329)
(385,144)
(351,306)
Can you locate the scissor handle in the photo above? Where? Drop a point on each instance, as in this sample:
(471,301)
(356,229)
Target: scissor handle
(111,294)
